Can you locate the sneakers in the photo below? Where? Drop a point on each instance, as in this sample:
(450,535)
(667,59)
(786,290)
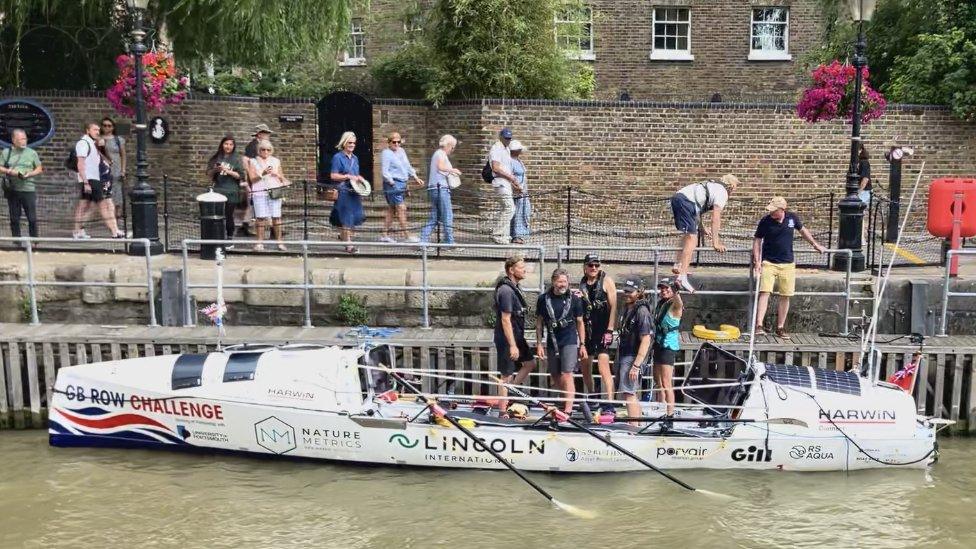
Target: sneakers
(412,239)
(259,247)
(281,247)
(759,331)
(682,280)
(781,333)
(80,235)
(388,239)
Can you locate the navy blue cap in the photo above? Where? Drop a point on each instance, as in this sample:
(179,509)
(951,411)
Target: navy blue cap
(631,285)
(505,133)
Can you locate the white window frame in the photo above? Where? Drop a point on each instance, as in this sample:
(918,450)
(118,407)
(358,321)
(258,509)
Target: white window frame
(356,29)
(413,24)
(579,53)
(665,54)
(764,55)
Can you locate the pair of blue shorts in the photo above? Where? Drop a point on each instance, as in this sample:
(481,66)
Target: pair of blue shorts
(395,193)
(685,214)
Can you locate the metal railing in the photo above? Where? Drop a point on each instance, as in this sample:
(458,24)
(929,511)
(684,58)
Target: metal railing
(32,283)
(946,292)
(307,286)
(657,252)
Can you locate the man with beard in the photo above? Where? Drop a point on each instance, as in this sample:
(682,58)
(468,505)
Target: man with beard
(559,322)
(635,344)
(599,294)
(513,351)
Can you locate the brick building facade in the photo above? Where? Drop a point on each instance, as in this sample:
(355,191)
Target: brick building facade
(661,49)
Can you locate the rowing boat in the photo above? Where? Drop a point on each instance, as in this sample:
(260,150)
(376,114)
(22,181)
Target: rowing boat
(339,403)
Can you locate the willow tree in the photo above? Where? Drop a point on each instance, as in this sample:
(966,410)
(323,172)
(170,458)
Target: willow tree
(245,32)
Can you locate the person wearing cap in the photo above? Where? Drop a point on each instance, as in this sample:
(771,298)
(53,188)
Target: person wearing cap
(515,361)
(772,254)
(559,324)
(688,205)
(347,212)
(396,171)
(634,346)
(504,184)
(599,294)
(667,318)
(523,209)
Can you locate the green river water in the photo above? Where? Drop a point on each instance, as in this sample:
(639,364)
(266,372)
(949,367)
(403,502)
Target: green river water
(79,497)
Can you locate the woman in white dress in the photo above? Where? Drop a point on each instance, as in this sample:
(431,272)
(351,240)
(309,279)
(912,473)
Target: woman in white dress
(266,171)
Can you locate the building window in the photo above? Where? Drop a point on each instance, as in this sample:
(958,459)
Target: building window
(671,38)
(413,25)
(355,53)
(769,39)
(574,32)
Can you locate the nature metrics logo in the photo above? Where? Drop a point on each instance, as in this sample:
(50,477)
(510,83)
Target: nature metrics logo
(275,435)
(330,439)
(404,441)
(810,452)
(752,454)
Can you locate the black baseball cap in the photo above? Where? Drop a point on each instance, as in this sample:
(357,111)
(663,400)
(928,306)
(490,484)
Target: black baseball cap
(591,258)
(665,283)
(631,285)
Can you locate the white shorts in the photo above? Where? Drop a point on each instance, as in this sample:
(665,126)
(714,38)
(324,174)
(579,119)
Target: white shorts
(264,206)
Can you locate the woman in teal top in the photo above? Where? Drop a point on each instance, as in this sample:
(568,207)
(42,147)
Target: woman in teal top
(18,166)
(667,318)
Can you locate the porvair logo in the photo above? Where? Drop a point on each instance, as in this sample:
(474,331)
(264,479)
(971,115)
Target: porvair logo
(811,452)
(275,435)
(682,453)
(404,441)
(752,454)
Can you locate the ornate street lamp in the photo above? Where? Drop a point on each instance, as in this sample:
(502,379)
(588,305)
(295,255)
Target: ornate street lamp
(145,221)
(851,208)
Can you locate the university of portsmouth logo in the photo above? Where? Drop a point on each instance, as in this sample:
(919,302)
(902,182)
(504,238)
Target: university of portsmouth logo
(275,435)
(752,454)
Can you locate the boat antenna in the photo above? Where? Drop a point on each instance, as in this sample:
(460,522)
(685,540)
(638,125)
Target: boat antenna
(870,336)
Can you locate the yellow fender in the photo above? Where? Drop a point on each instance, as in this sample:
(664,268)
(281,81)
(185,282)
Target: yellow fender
(725,332)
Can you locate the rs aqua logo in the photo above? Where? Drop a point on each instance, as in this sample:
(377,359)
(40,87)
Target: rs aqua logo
(402,440)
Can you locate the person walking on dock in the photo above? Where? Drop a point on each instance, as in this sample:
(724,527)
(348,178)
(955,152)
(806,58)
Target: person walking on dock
(396,171)
(688,205)
(514,354)
(504,184)
(560,333)
(773,263)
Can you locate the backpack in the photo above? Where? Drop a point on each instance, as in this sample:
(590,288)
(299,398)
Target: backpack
(71,162)
(486,173)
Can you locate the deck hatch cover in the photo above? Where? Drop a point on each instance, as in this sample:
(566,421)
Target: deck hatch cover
(241,366)
(785,374)
(188,371)
(837,382)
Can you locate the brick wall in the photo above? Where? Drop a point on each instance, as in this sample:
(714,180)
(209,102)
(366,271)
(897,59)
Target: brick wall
(622,31)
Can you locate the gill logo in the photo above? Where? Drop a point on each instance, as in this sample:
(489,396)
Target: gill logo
(402,440)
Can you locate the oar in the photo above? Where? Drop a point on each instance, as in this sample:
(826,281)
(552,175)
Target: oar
(771,421)
(563,416)
(440,412)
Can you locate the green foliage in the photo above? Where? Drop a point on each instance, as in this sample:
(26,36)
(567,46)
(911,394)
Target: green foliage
(919,51)
(483,48)
(84,36)
(351,310)
(585,85)
(25,308)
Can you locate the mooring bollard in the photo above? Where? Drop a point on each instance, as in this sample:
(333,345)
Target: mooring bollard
(211,222)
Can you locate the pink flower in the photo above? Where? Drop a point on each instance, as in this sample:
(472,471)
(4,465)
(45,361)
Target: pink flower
(832,95)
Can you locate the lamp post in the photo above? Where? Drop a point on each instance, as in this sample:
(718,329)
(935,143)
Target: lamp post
(851,209)
(145,222)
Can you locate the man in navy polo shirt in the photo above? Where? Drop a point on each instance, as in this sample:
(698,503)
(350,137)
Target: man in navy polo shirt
(772,252)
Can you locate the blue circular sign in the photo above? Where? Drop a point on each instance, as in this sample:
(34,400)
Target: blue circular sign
(27,115)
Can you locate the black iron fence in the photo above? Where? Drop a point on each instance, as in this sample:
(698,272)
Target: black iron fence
(569,216)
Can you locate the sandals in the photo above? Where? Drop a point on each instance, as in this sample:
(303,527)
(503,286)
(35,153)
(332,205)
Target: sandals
(351,250)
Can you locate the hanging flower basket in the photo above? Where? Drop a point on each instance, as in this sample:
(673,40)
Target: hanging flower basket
(162,85)
(832,95)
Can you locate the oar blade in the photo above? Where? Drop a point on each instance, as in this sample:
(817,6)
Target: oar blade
(716,495)
(574,510)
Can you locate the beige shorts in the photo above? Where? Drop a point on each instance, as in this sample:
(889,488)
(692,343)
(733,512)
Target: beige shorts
(782,276)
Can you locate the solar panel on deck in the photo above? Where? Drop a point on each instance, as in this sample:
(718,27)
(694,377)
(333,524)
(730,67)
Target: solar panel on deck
(837,382)
(797,376)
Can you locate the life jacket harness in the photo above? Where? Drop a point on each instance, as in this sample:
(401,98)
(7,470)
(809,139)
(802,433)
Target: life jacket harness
(565,318)
(630,318)
(599,300)
(505,281)
(661,331)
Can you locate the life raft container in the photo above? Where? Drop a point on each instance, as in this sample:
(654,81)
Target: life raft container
(725,332)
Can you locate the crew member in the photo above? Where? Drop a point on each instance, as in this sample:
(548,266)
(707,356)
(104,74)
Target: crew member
(634,346)
(667,318)
(514,354)
(599,294)
(688,205)
(559,322)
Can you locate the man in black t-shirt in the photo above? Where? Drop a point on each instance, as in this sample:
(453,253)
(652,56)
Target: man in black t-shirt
(559,333)
(772,251)
(634,346)
(513,351)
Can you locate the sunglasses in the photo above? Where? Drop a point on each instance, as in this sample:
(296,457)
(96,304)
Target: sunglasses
(259,150)
(395,142)
(108,125)
(597,265)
